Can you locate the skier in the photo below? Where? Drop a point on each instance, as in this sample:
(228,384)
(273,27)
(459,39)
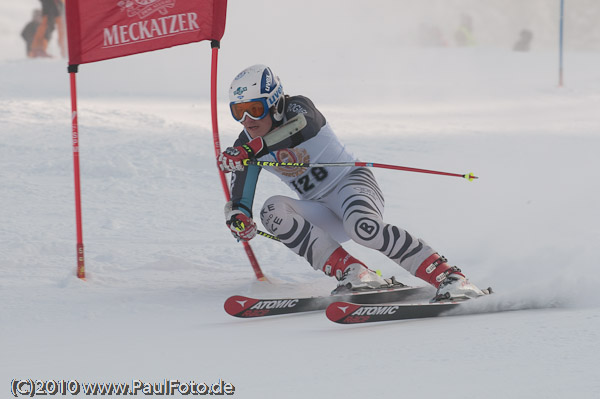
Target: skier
(52,16)
(331,198)
(28,32)
(464,33)
(524,42)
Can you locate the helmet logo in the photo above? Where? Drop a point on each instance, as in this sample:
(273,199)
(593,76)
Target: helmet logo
(267,81)
(275,96)
(240,91)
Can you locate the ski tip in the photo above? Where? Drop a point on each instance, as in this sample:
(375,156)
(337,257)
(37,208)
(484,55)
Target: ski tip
(238,304)
(338,311)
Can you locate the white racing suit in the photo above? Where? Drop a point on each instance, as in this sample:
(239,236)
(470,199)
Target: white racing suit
(331,199)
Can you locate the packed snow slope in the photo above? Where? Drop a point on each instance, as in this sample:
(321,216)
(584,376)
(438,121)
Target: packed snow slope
(160,261)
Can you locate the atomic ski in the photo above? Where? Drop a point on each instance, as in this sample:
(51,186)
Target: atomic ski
(351,313)
(245,307)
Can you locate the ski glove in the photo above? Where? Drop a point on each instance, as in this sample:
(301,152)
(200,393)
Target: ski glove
(242,227)
(232,158)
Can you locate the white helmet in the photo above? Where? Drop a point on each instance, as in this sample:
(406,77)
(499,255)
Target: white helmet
(254,91)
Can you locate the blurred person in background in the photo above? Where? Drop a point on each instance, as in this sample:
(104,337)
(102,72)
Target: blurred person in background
(431,36)
(464,33)
(524,41)
(52,17)
(28,32)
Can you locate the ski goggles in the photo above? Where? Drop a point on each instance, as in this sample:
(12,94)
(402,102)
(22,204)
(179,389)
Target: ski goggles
(255,109)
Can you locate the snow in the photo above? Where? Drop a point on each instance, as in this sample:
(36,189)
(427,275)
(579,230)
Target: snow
(160,262)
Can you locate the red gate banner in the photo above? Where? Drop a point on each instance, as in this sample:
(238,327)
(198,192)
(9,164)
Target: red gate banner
(104,29)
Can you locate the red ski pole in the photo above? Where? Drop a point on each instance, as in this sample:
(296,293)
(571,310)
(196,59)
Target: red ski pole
(468,176)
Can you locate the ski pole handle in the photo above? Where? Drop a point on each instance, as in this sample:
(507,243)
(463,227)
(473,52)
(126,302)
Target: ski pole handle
(247,162)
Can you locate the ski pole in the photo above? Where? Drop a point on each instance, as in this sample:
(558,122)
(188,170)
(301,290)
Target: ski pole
(247,162)
(239,226)
(267,235)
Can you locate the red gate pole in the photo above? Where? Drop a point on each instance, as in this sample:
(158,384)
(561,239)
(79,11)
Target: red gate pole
(72,69)
(213,105)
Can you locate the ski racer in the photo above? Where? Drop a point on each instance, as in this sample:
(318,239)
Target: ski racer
(335,203)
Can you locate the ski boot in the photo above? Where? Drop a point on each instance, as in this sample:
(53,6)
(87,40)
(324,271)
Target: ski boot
(352,274)
(456,287)
(451,283)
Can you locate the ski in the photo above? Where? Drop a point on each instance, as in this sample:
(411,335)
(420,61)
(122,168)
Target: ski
(246,307)
(351,313)
(348,312)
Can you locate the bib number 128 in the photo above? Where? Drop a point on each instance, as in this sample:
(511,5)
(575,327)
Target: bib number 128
(305,183)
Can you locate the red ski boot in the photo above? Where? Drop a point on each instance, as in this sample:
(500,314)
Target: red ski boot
(351,273)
